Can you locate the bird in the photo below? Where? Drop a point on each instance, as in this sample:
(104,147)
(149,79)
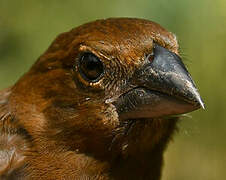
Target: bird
(101,103)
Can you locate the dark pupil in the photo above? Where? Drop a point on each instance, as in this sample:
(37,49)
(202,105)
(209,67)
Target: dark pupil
(91,66)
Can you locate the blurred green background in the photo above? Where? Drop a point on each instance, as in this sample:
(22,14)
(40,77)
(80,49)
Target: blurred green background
(198,151)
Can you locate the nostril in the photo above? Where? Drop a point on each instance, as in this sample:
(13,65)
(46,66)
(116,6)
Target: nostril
(151,57)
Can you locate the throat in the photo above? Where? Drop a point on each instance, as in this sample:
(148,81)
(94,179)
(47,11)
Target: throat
(143,166)
(143,148)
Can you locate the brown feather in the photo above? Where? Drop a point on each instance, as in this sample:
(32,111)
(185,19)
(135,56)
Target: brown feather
(55,125)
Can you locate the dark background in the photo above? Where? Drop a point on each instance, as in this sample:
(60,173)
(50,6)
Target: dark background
(199,149)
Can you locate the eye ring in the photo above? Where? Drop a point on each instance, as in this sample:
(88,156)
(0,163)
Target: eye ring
(90,67)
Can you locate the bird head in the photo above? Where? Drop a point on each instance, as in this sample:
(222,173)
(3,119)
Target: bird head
(107,87)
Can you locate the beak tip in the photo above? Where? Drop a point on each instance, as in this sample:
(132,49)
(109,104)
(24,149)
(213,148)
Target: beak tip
(196,96)
(202,104)
(200,101)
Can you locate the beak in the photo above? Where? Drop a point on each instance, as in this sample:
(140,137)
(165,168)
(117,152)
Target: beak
(163,87)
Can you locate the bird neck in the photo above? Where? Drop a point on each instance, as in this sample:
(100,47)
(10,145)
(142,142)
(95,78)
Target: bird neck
(142,150)
(136,155)
(143,166)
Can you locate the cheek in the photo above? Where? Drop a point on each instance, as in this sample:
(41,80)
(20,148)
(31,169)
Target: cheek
(111,117)
(98,119)
(102,118)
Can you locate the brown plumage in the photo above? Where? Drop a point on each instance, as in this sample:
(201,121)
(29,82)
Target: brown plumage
(98,104)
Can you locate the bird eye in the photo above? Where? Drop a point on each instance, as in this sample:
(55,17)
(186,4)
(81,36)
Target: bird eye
(90,66)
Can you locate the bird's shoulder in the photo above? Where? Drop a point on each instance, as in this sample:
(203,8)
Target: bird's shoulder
(20,158)
(12,142)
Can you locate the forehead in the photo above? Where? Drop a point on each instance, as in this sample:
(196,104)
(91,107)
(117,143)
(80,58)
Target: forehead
(126,34)
(125,28)
(118,31)
(123,37)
